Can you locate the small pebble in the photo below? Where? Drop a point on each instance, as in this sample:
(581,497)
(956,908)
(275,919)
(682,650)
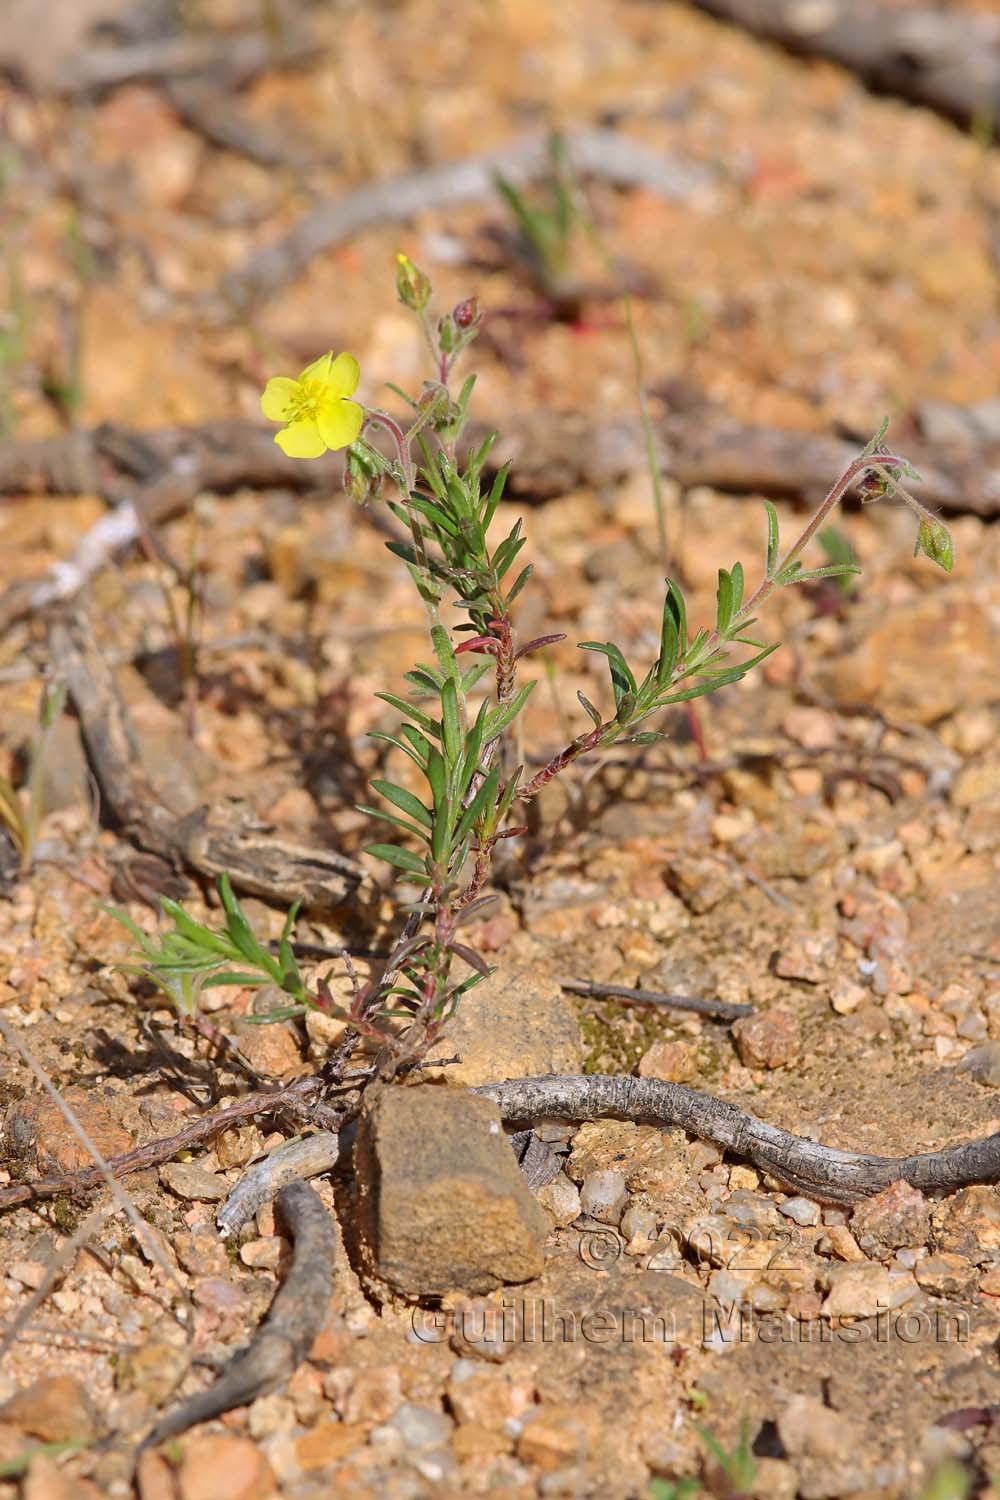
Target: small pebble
(265,1254)
(639,1223)
(420,1427)
(193,1183)
(983,1064)
(604,1196)
(702,1154)
(801,1210)
(561,1199)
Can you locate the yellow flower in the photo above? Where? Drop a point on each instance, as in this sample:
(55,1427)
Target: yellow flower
(315,408)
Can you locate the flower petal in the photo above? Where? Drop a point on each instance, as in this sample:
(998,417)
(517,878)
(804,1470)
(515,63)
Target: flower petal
(319,369)
(340,422)
(343,377)
(277,397)
(301,439)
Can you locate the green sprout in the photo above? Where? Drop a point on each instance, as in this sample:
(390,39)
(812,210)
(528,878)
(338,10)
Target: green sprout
(739,1466)
(23,817)
(546,222)
(191,957)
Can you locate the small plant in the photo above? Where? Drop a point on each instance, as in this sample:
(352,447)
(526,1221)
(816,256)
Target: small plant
(674,1489)
(191,957)
(463,793)
(23,815)
(546,222)
(951,1480)
(738,1467)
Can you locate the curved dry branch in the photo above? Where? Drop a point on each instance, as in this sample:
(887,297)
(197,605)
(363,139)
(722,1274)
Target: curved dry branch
(820,1171)
(285,1337)
(945,59)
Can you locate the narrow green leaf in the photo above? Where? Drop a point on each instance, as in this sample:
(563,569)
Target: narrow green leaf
(622,680)
(591,710)
(473,748)
(409,711)
(390,818)
(282,1013)
(451,724)
(285,940)
(473,674)
(772,539)
(435,514)
(832,570)
(403,859)
(403,550)
(626,708)
(498,720)
(420,744)
(519,582)
(390,739)
(736,578)
(679,612)
(485,797)
(202,937)
(427,680)
(146,944)
(697,691)
(875,443)
(404,800)
(444,651)
(235,977)
(506,554)
(495,495)
(239,928)
(508,794)
(724,603)
(437,776)
(669,642)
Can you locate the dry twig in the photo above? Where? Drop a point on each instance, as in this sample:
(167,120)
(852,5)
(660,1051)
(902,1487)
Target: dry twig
(212,842)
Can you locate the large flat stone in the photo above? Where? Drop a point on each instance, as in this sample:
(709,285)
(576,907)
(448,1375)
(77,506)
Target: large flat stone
(442,1205)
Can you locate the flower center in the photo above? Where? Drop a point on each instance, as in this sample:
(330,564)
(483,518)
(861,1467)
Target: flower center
(305,404)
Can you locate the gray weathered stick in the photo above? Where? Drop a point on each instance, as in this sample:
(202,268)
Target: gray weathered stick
(599,153)
(284,1338)
(211,842)
(945,58)
(292,1163)
(820,1171)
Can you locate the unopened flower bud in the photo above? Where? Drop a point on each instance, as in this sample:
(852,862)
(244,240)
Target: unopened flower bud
(446,334)
(361,483)
(466,313)
(413,287)
(934,540)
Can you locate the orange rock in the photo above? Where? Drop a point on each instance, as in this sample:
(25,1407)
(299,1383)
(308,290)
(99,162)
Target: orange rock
(37,1130)
(272,1049)
(556,1437)
(769,1039)
(46,1481)
(227,1466)
(475,1441)
(677,1062)
(55,1409)
(328,1443)
(155,1477)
